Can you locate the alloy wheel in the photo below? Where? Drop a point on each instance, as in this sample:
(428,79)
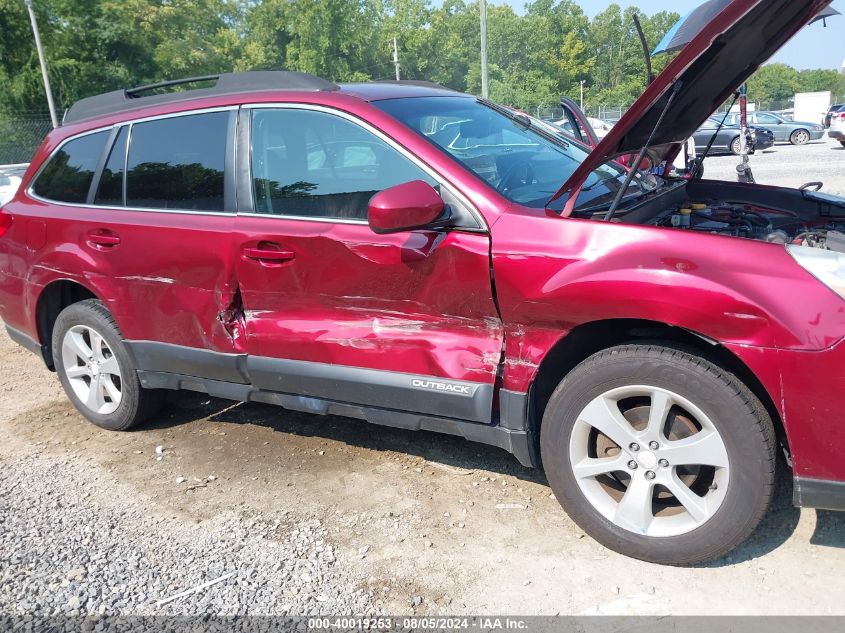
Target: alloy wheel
(92,369)
(736,146)
(649,461)
(801,137)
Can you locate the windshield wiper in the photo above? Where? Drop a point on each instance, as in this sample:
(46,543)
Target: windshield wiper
(696,169)
(635,166)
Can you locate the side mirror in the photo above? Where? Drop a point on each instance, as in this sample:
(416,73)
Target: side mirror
(407,207)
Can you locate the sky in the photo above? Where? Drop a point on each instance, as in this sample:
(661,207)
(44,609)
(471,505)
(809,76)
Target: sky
(814,47)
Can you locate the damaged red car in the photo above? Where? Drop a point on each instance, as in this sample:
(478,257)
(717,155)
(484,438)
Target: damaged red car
(420,258)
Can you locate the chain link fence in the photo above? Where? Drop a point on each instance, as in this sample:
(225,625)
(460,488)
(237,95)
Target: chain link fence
(20,136)
(611,114)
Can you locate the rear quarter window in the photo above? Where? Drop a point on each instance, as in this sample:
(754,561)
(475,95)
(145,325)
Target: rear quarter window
(68,173)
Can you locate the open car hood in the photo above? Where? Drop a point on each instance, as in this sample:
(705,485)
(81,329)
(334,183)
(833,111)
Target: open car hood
(724,54)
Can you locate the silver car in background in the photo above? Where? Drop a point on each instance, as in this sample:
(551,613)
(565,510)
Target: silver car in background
(795,132)
(10,180)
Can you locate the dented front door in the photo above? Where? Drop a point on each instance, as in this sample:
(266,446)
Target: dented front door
(415,303)
(332,310)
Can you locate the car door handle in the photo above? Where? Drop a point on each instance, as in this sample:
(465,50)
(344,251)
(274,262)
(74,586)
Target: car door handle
(267,254)
(103,239)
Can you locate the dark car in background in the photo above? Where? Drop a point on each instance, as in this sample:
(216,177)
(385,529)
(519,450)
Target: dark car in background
(836,108)
(728,138)
(795,132)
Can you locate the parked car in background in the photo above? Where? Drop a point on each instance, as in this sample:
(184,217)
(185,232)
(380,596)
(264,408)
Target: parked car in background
(837,127)
(837,107)
(577,124)
(795,132)
(9,184)
(601,128)
(728,139)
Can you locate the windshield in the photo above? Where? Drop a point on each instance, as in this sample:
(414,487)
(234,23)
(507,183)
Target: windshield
(509,153)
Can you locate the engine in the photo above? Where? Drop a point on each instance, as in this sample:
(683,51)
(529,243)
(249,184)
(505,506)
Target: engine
(752,222)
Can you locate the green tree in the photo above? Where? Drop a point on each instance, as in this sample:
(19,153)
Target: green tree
(98,45)
(774,82)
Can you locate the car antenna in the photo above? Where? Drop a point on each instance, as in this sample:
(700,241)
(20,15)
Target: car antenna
(696,170)
(676,88)
(646,54)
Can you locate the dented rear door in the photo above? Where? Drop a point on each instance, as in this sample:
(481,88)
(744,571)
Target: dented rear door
(334,311)
(152,233)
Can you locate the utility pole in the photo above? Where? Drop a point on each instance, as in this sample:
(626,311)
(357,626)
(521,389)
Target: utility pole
(582,94)
(43,62)
(485,88)
(396,58)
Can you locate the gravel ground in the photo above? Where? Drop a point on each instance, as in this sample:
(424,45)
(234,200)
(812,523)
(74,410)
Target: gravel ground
(319,515)
(66,548)
(314,515)
(789,165)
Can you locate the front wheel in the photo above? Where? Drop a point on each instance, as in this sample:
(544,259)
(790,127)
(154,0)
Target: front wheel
(736,146)
(96,371)
(842,143)
(659,454)
(800,137)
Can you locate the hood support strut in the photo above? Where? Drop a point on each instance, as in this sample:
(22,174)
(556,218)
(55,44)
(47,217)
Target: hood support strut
(635,166)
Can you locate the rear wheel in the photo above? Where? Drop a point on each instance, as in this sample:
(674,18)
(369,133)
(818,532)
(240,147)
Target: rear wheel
(658,454)
(800,137)
(96,371)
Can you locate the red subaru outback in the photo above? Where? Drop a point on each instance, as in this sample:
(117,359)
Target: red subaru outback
(424,259)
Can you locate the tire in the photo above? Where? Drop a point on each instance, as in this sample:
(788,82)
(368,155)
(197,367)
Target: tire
(842,143)
(736,147)
(118,402)
(727,502)
(799,137)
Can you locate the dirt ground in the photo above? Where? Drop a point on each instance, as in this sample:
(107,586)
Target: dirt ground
(461,526)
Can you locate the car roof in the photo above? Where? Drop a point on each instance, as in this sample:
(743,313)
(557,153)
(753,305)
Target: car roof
(239,84)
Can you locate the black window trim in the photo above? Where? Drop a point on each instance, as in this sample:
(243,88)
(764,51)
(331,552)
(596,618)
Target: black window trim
(101,164)
(470,219)
(229,183)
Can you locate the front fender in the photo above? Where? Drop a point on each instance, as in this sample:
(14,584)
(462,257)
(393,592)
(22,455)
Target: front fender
(554,274)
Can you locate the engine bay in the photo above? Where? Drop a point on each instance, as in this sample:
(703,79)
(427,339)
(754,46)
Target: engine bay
(754,222)
(777,215)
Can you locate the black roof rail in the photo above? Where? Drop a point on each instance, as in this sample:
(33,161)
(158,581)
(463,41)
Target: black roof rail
(224,84)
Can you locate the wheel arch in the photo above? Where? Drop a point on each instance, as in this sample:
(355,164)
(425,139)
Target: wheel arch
(800,129)
(590,338)
(55,297)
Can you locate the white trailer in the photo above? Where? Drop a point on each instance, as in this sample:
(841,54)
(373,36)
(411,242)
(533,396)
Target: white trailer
(811,106)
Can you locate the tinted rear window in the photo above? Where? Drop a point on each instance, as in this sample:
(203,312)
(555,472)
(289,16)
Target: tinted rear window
(68,174)
(178,163)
